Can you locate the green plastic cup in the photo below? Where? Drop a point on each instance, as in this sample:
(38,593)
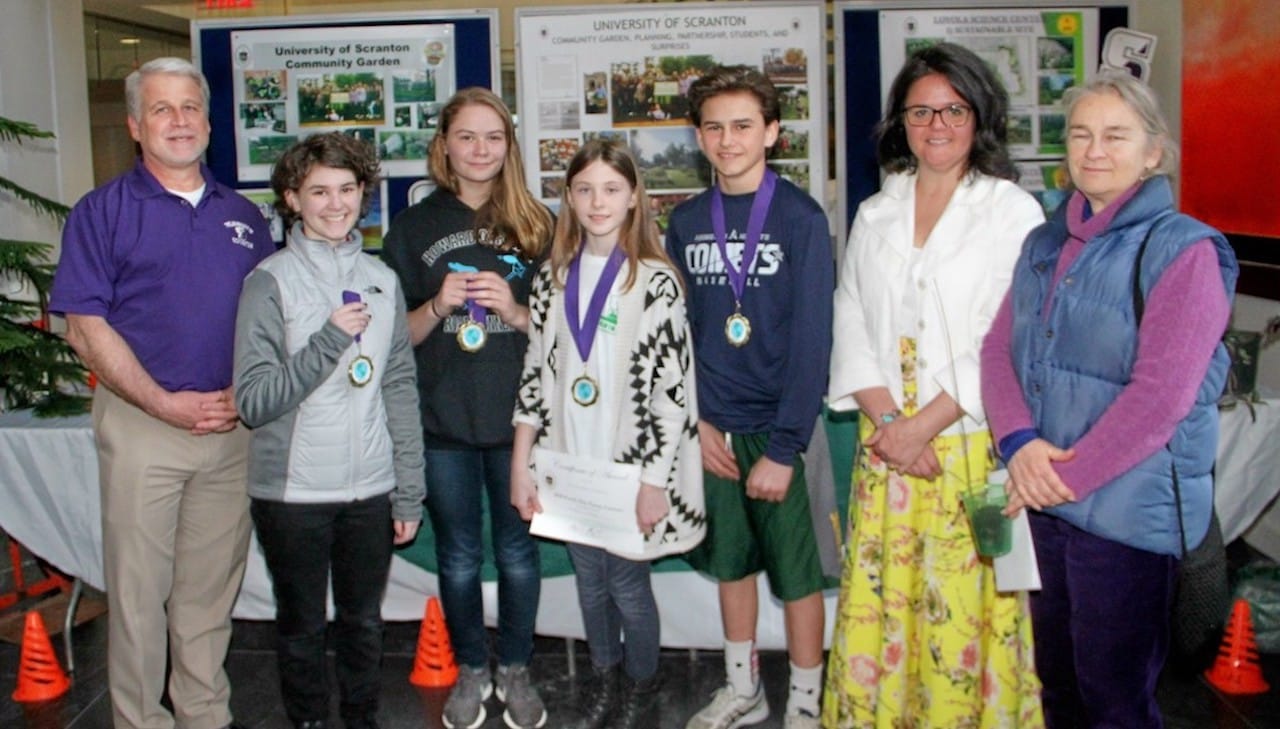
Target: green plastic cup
(992,530)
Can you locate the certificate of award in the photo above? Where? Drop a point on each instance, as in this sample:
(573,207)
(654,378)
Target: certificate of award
(587,501)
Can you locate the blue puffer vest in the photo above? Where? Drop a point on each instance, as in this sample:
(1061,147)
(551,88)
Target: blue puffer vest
(1074,363)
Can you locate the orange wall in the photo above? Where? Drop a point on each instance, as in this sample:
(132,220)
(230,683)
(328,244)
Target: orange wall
(1231,114)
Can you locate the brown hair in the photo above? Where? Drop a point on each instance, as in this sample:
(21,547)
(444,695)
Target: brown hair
(734,79)
(512,213)
(333,149)
(638,237)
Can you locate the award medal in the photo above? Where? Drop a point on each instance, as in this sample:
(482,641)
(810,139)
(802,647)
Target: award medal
(586,391)
(360,371)
(737,327)
(471,337)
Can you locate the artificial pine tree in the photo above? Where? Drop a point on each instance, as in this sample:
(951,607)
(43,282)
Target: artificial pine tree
(38,369)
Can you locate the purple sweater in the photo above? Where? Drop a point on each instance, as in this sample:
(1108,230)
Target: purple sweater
(1185,315)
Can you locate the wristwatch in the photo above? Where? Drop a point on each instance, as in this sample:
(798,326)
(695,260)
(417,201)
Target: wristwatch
(889,417)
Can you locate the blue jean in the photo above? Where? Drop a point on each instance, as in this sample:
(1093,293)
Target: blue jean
(1101,623)
(616,598)
(303,544)
(457,481)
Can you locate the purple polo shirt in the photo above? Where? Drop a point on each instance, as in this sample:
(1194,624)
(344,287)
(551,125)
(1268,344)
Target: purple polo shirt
(165,275)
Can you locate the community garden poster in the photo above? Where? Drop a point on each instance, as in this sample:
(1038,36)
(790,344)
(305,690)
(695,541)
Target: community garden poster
(625,71)
(384,84)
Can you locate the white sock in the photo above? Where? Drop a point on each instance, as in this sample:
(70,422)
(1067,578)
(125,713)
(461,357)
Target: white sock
(806,690)
(742,667)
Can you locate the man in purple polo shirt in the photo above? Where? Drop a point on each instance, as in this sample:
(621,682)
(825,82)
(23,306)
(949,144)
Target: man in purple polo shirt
(148,281)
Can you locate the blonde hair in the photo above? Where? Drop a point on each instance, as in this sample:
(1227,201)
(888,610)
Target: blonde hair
(511,213)
(1139,97)
(638,237)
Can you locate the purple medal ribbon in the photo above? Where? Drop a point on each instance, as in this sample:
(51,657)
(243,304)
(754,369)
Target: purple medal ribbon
(584,331)
(478,313)
(351,297)
(755,226)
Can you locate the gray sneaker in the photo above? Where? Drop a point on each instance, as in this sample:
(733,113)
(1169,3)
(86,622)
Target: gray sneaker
(465,707)
(728,710)
(524,706)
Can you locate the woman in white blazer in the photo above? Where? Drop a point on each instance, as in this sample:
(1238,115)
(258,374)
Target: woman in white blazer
(920,632)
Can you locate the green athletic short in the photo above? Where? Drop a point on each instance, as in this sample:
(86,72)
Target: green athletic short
(745,536)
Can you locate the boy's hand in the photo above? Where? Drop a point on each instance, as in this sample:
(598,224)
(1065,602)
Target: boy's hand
(768,480)
(716,456)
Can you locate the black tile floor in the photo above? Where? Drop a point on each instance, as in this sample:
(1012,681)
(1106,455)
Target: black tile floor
(1187,700)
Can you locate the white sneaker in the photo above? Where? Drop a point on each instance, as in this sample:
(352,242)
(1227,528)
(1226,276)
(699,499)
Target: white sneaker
(803,720)
(728,710)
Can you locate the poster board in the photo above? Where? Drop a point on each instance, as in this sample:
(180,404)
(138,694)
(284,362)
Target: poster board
(379,77)
(623,71)
(1038,49)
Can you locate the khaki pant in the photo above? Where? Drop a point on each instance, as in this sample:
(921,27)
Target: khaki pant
(175,532)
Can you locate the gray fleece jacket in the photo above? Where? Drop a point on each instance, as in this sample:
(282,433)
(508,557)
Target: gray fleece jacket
(317,438)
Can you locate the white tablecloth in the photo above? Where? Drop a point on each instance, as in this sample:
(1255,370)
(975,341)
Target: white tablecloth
(49,502)
(1248,470)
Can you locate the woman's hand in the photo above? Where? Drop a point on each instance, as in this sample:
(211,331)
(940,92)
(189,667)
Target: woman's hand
(524,494)
(405,531)
(651,507)
(716,455)
(1032,480)
(926,466)
(901,445)
(351,318)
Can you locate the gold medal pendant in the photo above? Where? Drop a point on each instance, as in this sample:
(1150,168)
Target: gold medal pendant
(585,391)
(737,329)
(361,371)
(471,337)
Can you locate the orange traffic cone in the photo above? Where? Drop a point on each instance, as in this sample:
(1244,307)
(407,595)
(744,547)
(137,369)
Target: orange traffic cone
(1236,670)
(40,677)
(433,665)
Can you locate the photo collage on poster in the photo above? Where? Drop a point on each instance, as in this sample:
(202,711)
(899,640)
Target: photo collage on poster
(1037,53)
(626,76)
(382,84)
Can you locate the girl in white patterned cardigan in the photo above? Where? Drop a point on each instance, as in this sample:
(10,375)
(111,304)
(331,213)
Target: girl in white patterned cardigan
(609,375)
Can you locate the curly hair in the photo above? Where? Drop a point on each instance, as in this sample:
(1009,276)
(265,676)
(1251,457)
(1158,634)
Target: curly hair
(973,80)
(333,149)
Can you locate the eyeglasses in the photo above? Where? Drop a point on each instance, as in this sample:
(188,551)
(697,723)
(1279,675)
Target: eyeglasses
(954,115)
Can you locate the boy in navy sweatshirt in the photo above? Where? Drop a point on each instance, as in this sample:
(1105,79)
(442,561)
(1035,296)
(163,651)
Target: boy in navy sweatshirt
(757,258)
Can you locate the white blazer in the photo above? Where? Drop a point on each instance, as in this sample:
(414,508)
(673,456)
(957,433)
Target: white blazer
(964,272)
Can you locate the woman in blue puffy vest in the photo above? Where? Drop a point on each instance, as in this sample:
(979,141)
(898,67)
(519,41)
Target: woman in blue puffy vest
(1101,375)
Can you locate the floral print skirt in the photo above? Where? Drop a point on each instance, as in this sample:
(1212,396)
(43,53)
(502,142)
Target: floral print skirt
(922,638)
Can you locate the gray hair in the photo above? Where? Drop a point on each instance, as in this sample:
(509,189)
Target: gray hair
(1142,100)
(168,65)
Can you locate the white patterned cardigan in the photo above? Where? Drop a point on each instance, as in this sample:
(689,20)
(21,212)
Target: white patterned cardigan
(657,413)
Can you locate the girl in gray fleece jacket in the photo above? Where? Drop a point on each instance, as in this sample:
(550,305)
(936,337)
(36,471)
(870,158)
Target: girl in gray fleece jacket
(324,374)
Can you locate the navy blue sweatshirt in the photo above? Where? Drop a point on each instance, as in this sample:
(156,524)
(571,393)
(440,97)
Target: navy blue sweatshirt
(775,383)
